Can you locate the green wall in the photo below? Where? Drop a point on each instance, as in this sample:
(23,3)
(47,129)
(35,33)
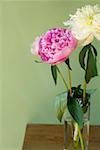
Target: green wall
(27,89)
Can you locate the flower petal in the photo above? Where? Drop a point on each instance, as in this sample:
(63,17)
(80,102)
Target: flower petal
(56,45)
(97,36)
(87,40)
(35,46)
(85,22)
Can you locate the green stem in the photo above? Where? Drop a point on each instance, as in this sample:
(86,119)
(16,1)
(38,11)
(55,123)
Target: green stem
(84,91)
(81,138)
(70,81)
(70,85)
(62,77)
(76,136)
(76,144)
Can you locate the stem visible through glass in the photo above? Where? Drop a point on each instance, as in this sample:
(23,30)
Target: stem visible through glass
(79,131)
(70,87)
(81,139)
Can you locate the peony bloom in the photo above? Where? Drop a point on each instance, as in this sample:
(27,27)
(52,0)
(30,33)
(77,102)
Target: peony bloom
(55,45)
(85,24)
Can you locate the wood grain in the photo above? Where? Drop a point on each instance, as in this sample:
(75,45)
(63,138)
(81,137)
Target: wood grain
(50,137)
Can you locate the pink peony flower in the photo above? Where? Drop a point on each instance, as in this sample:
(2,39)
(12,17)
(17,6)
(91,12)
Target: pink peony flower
(56,45)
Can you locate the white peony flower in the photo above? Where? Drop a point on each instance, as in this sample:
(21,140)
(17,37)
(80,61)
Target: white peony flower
(85,24)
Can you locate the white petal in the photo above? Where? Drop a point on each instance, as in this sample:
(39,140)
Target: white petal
(97,36)
(82,34)
(35,46)
(86,41)
(85,22)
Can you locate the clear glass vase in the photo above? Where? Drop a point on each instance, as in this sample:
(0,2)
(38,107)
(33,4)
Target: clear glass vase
(71,134)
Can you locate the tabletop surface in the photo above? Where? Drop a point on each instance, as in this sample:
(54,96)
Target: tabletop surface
(50,137)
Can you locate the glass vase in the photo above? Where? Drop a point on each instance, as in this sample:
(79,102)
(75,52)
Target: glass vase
(71,134)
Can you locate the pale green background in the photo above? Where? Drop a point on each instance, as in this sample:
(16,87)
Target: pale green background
(27,89)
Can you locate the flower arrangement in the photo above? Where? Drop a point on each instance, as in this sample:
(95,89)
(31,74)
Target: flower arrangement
(56,45)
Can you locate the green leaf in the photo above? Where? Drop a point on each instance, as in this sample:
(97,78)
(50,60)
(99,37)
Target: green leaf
(60,105)
(67,62)
(94,49)
(91,70)
(89,66)
(36,61)
(54,73)
(82,55)
(75,110)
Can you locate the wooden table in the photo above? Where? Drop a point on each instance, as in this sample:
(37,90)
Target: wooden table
(50,137)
